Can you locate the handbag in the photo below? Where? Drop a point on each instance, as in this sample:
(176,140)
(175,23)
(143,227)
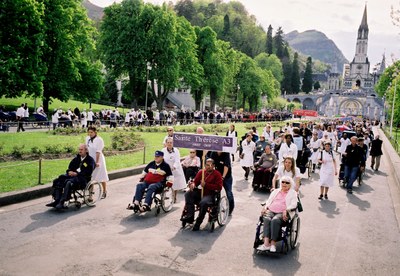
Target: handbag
(299,205)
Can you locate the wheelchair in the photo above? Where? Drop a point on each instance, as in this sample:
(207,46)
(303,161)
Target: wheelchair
(89,195)
(218,211)
(261,180)
(288,237)
(163,199)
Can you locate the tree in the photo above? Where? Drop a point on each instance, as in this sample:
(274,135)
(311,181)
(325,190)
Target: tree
(272,63)
(67,51)
(22,35)
(186,9)
(295,74)
(227,27)
(287,71)
(270,42)
(317,85)
(307,79)
(279,43)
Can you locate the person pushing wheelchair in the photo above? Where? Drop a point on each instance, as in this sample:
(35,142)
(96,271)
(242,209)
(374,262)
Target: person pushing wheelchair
(210,182)
(78,175)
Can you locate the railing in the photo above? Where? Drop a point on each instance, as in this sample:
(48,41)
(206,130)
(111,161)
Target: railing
(394,139)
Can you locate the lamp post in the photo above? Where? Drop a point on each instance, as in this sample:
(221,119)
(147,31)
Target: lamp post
(237,95)
(147,82)
(394,100)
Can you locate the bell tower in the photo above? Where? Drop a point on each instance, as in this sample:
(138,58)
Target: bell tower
(358,75)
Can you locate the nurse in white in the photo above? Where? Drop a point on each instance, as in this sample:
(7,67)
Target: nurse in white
(246,157)
(173,158)
(95,145)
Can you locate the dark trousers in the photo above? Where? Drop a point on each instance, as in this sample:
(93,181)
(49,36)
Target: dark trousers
(64,185)
(229,194)
(20,125)
(194,197)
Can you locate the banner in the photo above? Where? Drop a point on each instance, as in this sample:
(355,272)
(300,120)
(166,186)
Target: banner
(205,142)
(303,112)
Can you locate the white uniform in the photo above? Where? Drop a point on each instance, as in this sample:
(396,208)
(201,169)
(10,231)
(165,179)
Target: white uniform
(343,144)
(280,172)
(96,145)
(327,171)
(173,159)
(248,150)
(315,145)
(286,150)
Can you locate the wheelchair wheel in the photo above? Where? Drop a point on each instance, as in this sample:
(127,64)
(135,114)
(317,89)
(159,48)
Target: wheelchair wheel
(294,232)
(92,193)
(167,199)
(223,211)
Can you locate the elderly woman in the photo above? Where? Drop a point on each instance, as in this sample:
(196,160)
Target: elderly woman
(191,165)
(264,167)
(288,169)
(280,207)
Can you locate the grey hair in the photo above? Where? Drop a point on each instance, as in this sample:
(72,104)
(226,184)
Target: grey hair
(287,179)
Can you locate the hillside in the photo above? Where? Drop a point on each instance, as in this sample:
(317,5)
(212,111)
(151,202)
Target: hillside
(317,45)
(94,12)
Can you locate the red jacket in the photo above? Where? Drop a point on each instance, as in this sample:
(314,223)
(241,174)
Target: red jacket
(213,181)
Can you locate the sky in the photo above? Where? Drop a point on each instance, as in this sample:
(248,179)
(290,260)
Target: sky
(338,19)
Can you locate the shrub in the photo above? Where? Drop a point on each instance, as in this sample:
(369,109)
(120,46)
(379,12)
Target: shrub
(18,151)
(69,149)
(124,140)
(54,149)
(36,150)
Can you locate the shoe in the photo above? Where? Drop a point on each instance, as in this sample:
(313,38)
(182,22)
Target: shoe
(350,191)
(246,178)
(320,196)
(273,248)
(60,206)
(104,195)
(326,196)
(90,199)
(144,208)
(52,204)
(196,227)
(187,219)
(372,167)
(263,247)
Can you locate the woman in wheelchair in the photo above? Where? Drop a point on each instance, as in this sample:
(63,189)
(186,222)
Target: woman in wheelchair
(279,208)
(264,169)
(155,176)
(212,182)
(78,175)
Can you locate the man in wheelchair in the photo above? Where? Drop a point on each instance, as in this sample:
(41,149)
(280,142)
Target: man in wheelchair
(155,176)
(78,175)
(212,182)
(279,208)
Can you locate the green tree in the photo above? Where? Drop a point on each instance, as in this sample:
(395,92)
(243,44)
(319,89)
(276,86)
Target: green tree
(287,71)
(317,85)
(21,39)
(227,27)
(279,43)
(186,9)
(307,79)
(295,74)
(272,63)
(67,51)
(270,41)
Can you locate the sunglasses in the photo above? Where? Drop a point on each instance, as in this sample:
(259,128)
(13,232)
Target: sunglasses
(169,130)
(285,182)
(192,152)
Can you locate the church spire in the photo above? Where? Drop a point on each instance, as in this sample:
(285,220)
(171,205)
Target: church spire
(363,29)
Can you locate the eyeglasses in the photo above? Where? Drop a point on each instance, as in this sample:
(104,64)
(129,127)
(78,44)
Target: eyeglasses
(192,152)
(169,130)
(285,182)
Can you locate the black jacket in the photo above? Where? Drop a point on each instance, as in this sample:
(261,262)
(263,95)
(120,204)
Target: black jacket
(376,147)
(86,166)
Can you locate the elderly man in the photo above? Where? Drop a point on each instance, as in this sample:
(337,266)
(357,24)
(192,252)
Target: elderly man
(212,182)
(154,177)
(78,175)
(376,152)
(353,160)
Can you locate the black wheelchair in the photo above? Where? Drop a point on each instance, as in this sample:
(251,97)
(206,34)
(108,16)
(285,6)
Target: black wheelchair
(262,180)
(89,195)
(163,199)
(288,237)
(218,211)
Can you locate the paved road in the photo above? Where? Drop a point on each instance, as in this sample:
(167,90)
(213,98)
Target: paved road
(346,235)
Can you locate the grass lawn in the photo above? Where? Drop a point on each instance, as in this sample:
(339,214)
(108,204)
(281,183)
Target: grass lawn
(18,175)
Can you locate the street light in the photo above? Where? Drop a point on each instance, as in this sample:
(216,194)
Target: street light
(237,95)
(147,82)
(394,100)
